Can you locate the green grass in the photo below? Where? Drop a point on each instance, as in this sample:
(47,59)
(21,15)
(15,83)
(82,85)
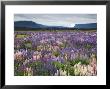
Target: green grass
(21,36)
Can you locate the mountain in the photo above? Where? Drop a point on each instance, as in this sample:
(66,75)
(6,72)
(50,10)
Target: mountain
(27,24)
(30,25)
(86,26)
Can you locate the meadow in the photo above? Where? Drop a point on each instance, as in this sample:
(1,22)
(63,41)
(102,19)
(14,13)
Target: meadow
(55,53)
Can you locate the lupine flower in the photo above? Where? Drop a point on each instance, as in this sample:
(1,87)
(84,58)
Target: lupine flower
(48,47)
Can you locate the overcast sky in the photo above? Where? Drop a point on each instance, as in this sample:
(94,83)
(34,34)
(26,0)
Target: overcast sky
(68,20)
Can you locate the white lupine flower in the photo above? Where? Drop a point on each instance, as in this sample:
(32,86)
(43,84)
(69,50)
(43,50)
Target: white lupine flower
(76,71)
(85,70)
(29,71)
(62,73)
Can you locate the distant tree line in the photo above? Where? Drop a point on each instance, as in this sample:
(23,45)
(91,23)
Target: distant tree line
(44,29)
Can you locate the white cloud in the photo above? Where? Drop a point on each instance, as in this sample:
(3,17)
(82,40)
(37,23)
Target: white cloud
(57,19)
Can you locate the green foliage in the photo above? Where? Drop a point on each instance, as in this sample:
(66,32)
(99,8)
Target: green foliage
(56,53)
(16,65)
(59,65)
(41,69)
(71,71)
(42,72)
(22,46)
(68,66)
(76,61)
(19,73)
(21,35)
(85,62)
(36,64)
(88,46)
(28,45)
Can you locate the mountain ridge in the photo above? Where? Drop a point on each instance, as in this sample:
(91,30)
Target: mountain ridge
(33,25)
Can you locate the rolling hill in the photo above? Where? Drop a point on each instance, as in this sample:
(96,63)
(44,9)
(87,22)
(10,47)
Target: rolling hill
(86,26)
(32,25)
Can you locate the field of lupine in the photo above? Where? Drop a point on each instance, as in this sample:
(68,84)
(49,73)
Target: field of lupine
(55,53)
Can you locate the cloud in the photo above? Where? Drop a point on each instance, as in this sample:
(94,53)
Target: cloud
(57,19)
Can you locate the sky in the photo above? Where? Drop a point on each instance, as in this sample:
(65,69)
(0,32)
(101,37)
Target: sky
(66,20)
